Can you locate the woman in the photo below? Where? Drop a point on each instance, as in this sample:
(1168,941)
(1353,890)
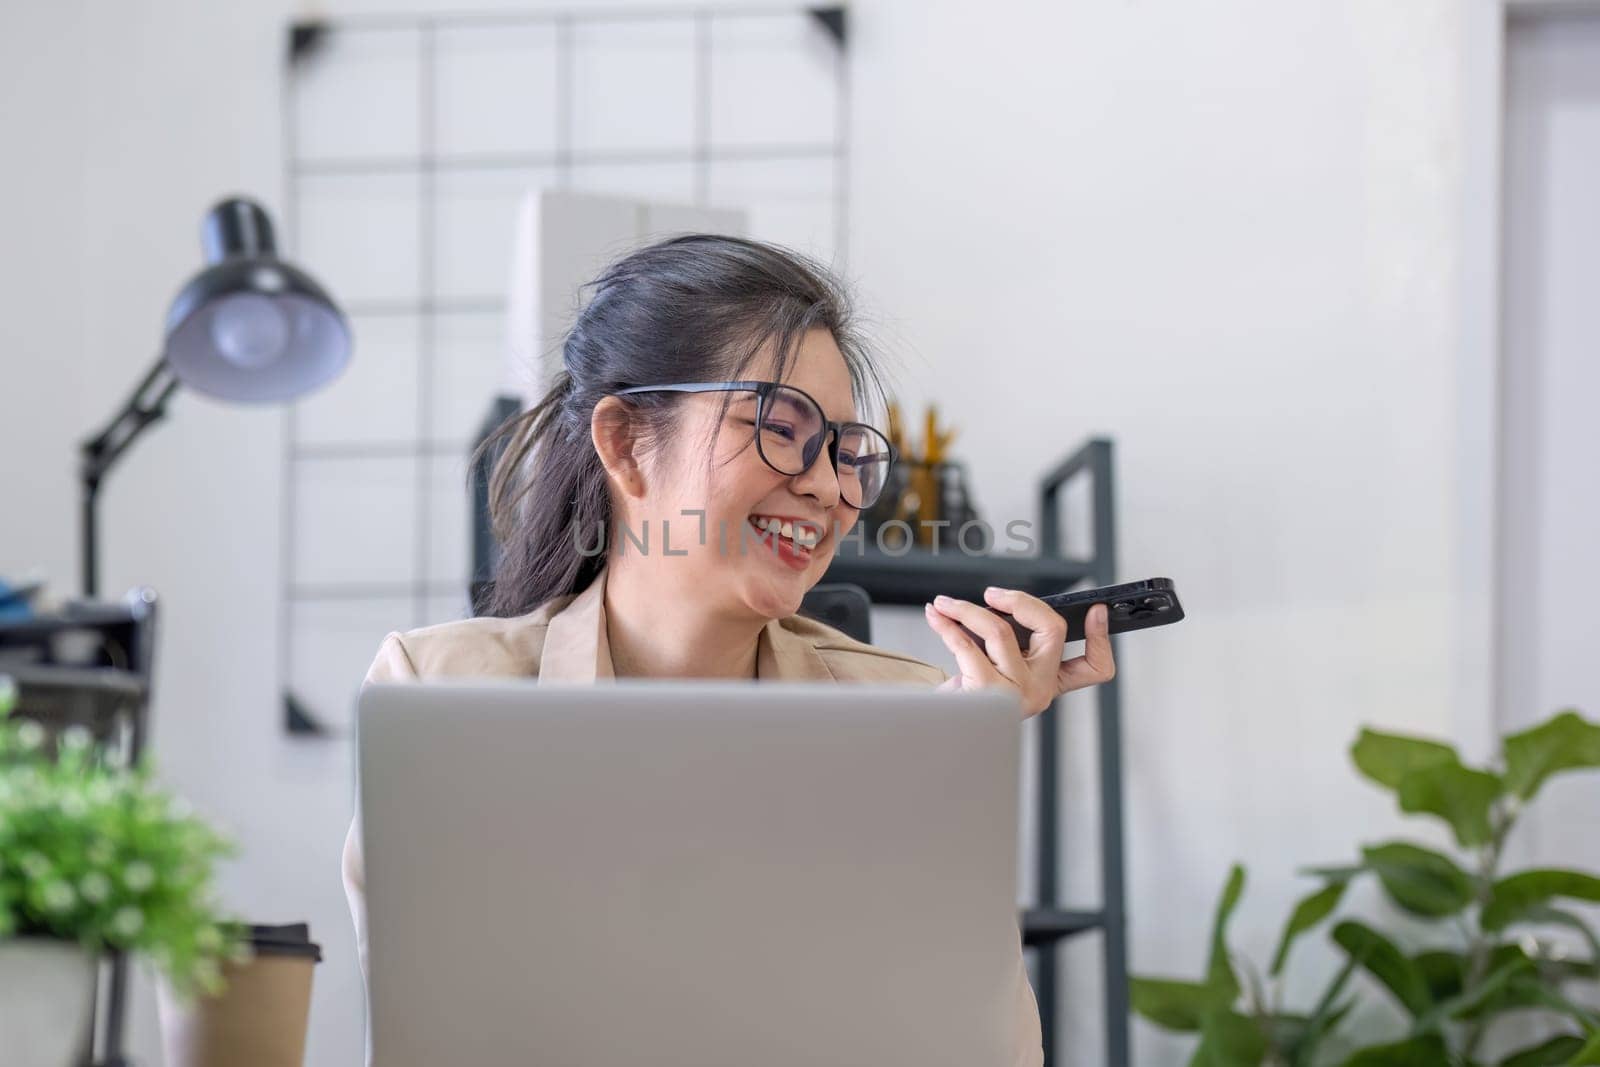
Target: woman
(667,505)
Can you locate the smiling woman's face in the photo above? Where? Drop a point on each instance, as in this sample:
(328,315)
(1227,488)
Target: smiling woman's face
(742,569)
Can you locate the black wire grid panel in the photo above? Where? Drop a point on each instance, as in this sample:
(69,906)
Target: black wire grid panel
(408,142)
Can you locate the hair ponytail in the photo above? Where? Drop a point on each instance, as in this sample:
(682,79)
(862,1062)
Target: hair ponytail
(547,489)
(691,308)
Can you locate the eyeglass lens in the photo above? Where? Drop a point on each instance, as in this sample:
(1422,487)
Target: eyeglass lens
(792,433)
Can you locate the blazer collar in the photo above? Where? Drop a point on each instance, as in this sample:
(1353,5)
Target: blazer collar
(576,649)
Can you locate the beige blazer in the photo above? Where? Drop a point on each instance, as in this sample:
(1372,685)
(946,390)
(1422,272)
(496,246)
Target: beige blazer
(564,640)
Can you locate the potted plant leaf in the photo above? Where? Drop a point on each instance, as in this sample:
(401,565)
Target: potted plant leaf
(1506,944)
(94,857)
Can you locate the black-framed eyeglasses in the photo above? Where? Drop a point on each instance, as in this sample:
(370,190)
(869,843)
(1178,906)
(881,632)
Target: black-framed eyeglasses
(790,429)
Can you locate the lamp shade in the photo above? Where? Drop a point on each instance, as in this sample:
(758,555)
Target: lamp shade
(249,327)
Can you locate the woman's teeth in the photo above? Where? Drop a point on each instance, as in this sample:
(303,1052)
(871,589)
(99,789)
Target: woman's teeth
(805,536)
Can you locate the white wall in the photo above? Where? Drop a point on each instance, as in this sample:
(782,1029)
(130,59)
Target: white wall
(1225,234)
(41,285)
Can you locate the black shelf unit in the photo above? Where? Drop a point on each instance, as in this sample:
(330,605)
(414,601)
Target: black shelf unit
(916,577)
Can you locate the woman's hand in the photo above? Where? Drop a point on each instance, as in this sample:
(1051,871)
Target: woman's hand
(1040,675)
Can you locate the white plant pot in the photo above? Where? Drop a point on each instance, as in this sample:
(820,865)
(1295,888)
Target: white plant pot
(47,990)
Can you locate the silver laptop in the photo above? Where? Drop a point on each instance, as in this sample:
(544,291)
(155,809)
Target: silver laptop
(689,874)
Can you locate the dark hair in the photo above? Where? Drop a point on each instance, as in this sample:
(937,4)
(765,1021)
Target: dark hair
(693,308)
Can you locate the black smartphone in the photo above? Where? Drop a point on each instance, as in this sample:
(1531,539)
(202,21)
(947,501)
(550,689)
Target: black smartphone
(1133,606)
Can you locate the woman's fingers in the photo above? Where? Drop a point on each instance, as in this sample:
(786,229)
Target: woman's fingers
(994,658)
(999,640)
(969,657)
(1096,664)
(1049,629)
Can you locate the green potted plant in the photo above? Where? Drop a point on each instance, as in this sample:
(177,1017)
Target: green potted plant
(94,857)
(1504,944)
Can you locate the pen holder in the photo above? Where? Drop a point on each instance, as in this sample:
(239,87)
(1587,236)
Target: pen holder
(919,494)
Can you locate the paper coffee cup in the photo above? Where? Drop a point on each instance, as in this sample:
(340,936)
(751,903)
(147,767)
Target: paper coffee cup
(260,1019)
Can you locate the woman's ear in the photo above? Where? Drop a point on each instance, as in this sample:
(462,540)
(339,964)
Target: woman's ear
(611,430)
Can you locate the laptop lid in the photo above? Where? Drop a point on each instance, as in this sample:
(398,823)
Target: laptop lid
(689,874)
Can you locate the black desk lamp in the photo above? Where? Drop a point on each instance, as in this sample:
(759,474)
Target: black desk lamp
(249,328)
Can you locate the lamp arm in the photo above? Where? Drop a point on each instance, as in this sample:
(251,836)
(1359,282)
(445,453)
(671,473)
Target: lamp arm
(98,454)
(146,404)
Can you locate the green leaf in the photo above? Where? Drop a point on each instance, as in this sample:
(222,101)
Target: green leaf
(1589,1054)
(1513,899)
(1229,1039)
(1388,758)
(1420,880)
(1386,963)
(1471,1000)
(1566,742)
(1176,1005)
(1219,971)
(1309,912)
(1425,1050)
(1444,973)
(1333,874)
(1459,795)
(1557,1050)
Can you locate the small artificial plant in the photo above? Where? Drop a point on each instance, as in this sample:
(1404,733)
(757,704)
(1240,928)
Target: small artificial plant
(1493,955)
(98,854)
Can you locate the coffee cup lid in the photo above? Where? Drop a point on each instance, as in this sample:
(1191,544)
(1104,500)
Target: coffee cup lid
(293,939)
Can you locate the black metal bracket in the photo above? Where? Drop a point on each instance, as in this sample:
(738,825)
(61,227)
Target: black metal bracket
(836,21)
(305,39)
(298,720)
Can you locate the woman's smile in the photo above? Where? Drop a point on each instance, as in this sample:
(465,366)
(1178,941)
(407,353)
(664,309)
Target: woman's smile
(790,540)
